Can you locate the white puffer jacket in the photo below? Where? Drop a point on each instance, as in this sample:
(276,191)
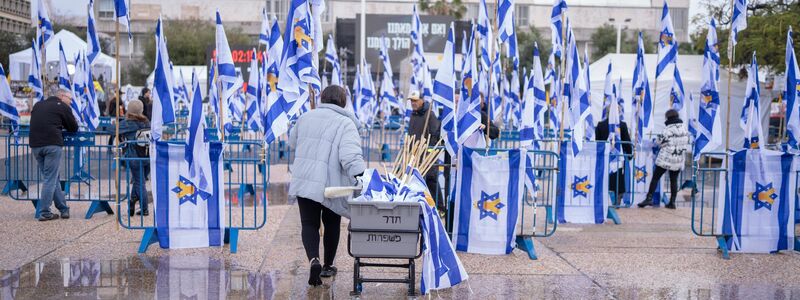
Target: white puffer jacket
(673,142)
(327,153)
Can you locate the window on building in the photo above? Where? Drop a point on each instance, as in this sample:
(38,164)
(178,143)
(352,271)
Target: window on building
(680,18)
(521,15)
(472,11)
(105,9)
(279,8)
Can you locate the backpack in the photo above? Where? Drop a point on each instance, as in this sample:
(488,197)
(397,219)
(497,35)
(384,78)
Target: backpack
(142,144)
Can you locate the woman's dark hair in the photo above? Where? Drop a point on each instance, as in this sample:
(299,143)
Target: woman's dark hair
(671,114)
(334,94)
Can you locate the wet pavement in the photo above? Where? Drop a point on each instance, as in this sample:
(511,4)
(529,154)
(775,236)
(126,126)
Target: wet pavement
(652,255)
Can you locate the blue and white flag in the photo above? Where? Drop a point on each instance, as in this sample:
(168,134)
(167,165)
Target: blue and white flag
(163,111)
(641,92)
(506,30)
(667,47)
(444,89)
(468,115)
(691,119)
(388,95)
(557,17)
(609,93)
(213,95)
(366,101)
(615,136)
(43,22)
(297,69)
(677,93)
(92,40)
(485,35)
(8,105)
(263,34)
(441,267)
(35,73)
(83,85)
(534,104)
(333,58)
(489,192)
(253,104)
(275,47)
(643,165)
(792,93)
(758,214)
(707,120)
(184,218)
(739,20)
(64,83)
(583,184)
(197,146)
(750,119)
(122,12)
(228,83)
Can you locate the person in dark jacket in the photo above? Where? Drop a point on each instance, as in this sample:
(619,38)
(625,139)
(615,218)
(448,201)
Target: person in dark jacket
(423,123)
(616,179)
(148,103)
(48,119)
(128,128)
(494,132)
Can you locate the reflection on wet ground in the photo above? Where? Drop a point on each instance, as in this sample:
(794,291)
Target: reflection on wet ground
(203,277)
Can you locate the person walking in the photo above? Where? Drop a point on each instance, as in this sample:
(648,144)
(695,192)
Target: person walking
(673,143)
(134,123)
(48,119)
(327,153)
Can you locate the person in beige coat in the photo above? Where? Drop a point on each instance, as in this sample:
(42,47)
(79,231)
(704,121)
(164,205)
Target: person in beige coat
(327,153)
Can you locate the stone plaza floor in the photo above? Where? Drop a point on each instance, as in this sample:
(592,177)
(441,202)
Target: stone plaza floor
(651,255)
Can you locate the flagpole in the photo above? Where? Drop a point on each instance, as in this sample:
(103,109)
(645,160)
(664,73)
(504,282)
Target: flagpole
(116,122)
(655,88)
(563,65)
(486,99)
(219,99)
(731,54)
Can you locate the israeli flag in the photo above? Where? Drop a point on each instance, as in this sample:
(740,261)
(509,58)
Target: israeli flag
(333,58)
(757,216)
(441,267)
(488,192)
(387,84)
(556,22)
(677,93)
(263,34)
(667,47)
(253,96)
(644,163)
(197,146)
(583,184)
(92,40)
(35,74)
(486,36)
(64,83)
(444,88)
(8,105)
(163,112)
(297,63)
(739,21)
(750,119)
(122,12)
(792,93)
(185,216)
(534,104)
(641,92)
(468,117)
(42,21)
(707,120)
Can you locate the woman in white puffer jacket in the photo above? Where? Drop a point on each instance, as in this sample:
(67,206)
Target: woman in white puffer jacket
(673,142)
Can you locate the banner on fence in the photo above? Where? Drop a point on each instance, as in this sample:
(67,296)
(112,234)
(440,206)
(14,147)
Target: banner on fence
(583,184)
(186,217)
(756,215)
(488,192)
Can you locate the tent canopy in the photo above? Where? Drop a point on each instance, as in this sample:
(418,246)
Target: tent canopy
(690,67)
(20,62)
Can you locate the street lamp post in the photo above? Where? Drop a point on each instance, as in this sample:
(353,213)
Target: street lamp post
(619,29)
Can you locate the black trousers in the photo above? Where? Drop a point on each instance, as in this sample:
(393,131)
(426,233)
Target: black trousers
(311,212)
(673,182)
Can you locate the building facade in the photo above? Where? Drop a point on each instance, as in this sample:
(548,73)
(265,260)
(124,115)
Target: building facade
(15,16)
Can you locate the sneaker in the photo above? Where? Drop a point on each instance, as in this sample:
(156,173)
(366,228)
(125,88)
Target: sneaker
(143,213)
(49,217)
(670,205)
(328,271)
(313,275)
(65,214)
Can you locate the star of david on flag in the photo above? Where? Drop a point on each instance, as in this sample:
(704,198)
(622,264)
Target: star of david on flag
(489,205)
(764,196)
(188,192)
(581,186)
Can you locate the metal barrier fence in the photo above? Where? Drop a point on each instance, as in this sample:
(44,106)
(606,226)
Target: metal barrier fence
(537,213)
(86,171)
(245,182)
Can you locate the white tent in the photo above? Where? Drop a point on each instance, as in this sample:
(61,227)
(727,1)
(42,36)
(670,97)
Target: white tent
(20,62)
(200,71)
(690,67)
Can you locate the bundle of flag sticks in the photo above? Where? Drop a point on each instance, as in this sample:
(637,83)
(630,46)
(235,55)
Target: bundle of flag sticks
(414,154)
